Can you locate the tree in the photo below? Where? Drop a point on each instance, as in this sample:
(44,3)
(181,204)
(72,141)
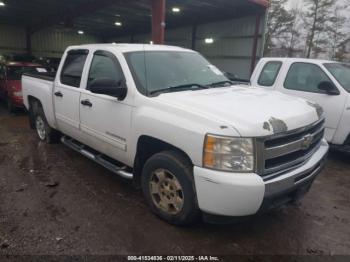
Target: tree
(279,23)
(320,13)
(340,54)
(337,34)
(295,30)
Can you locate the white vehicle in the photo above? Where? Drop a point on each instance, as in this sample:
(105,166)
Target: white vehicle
(325,82)
(166,118)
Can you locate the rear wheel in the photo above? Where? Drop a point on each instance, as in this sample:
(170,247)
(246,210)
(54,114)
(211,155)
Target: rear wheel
(40,127)
(168,186)
(43,130)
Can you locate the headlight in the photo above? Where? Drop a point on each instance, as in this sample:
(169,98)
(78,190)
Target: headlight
(229,154)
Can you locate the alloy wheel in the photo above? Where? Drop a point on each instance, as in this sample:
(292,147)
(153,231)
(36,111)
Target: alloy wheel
(166,191)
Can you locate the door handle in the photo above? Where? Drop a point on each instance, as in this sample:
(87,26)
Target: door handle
(58,94)
(86,103)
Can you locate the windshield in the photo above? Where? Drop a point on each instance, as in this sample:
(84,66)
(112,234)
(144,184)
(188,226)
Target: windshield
(341,72)
(158,70)
(16,72)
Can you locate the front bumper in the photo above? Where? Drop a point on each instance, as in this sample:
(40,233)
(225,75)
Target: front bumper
(240,195)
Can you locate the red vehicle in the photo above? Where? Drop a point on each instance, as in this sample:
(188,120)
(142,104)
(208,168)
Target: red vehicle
(10,81)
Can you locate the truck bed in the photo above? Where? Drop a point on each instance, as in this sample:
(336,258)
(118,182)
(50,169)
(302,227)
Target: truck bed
(39,86)
(50,76)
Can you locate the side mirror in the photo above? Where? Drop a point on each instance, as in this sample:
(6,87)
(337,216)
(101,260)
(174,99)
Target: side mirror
(329,88)
(110,87)
(231,76)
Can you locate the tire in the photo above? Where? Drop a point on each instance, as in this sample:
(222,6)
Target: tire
(168,187)
(31,116)
(43,130)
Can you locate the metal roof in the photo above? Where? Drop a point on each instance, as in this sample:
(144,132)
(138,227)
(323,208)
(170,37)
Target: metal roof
(98,17)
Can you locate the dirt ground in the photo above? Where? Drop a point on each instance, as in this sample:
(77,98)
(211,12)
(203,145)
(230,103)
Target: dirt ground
(55,201)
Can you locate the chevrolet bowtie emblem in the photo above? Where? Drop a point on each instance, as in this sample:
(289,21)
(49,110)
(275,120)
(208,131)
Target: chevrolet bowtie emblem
(307,141)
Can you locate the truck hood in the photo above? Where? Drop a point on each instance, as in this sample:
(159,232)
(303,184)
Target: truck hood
(251,111)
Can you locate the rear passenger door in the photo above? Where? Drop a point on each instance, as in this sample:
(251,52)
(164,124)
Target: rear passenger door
(67,92)
(104,118)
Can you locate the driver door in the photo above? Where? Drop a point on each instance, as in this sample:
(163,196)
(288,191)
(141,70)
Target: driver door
(302,80)
(103,119)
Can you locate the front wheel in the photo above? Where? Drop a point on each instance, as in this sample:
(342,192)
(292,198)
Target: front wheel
(168,186)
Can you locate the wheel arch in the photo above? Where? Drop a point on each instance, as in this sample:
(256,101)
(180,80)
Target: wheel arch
(147,146)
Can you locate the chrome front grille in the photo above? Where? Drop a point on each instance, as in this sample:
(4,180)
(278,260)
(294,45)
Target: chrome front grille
(281,153)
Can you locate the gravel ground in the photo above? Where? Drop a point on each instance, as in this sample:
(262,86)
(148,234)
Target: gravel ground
(54,201)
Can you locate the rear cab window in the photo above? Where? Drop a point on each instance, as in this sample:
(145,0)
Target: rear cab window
(269,73)
(73,67)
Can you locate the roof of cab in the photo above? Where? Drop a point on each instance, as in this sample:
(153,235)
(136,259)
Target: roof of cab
(124,48)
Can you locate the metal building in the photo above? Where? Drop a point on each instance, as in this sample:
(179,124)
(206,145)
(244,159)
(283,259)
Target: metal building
(228,32)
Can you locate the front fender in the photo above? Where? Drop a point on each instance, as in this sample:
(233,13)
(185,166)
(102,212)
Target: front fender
(177,127)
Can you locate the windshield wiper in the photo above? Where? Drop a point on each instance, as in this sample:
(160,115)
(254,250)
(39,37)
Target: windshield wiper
(174,88)
(221,83)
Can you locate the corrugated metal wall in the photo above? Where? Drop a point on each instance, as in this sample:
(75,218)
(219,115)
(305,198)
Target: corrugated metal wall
(12,39)
(232,47)
(53,42)
(179,37)
(231,50)
(46,43)
(233,44)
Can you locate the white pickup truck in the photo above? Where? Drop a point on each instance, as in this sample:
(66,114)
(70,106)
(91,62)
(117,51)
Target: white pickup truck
(325,82)
(168,119)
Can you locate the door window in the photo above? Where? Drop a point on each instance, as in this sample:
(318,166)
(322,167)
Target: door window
(269,73)
(341,72)
(73,68)
(305,77)
(105,66)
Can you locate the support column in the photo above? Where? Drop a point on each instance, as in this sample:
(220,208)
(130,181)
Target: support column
(158,21)
(255,43)
(28,41)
